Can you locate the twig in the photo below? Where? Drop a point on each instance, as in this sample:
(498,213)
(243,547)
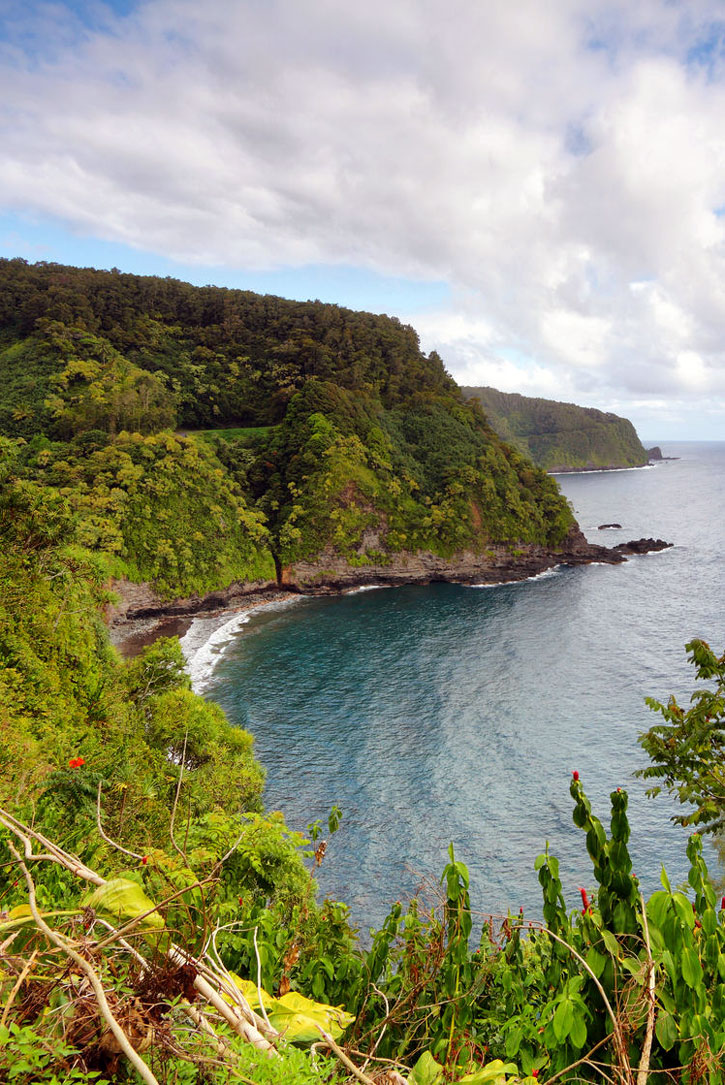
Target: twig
(105,1010)
(584,1060)
(343,1057)
(108,840)
(643,1070)
(17,985)
(259,980)
(222,1048)
(383,1029)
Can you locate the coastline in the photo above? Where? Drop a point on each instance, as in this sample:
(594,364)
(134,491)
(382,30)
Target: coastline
(206,624)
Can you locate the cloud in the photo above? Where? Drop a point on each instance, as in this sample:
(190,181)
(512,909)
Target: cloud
(561,166)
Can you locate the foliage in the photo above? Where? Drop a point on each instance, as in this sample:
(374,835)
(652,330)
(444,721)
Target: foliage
(687,749)
(561,436)
(319,431)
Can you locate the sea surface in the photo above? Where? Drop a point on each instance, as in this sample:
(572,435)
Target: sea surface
(443,714)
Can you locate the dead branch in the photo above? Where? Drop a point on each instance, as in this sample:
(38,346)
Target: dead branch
(105,1010)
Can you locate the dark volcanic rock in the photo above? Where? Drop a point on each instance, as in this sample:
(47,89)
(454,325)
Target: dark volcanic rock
(140,614)
(654,454)
(641,546)
(603,527)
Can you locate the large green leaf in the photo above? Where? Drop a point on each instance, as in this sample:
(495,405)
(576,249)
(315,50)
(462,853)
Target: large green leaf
(426,1071)
(123,900)
(563,1019)
(493,1073)
(666,1030)
(691,967)
(295,1016)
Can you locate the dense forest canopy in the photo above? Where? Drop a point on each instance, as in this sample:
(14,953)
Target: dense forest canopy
(205,435)
(560,436)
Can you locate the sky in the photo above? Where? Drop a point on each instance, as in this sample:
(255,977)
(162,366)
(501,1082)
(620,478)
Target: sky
(537,187)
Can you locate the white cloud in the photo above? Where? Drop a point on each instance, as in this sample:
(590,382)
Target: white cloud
(540,158)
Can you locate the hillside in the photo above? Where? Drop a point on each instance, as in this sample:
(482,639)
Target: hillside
(156,925)
(204,436)
(561,436)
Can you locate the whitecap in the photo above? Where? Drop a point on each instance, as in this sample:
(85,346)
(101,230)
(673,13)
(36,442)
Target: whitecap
(554,571)
(207,639)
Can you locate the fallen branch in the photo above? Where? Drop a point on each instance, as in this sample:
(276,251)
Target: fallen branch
(240,1017)
(344,1059)
(105,1010)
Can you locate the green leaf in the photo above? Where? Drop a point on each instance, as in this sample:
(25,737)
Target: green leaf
(124,900)
(493,1073)
(596,961)
(426,1071)
(691,967)
(513,1040)
(611,943)
(666,1030)
(578,1034)
(297,1018)
(683,907)
(563,1019)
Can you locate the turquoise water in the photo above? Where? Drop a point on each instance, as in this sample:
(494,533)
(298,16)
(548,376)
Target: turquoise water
(447,713)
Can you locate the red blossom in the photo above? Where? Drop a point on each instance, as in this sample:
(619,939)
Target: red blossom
(534,1073)
(722,905)
(575,774)
(76,762)
(144,860)
(586,906)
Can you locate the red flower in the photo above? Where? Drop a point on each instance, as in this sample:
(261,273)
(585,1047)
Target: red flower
(722,905)
(534,1073)
(586,906)
(76,762)
(575,774)
(145,860)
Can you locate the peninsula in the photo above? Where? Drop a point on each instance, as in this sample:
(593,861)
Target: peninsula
(561,437)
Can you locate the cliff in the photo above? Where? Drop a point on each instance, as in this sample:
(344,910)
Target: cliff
(561,436)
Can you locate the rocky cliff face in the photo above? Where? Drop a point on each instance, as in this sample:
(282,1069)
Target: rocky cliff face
(331,574)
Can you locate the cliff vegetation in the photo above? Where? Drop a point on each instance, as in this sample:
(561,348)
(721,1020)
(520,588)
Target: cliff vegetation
(205,435)
(561,436)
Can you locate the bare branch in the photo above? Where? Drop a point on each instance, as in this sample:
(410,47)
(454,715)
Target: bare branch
(105,1010)
(108,840)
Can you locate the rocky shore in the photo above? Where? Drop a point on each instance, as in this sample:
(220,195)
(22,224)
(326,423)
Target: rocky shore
(139,615)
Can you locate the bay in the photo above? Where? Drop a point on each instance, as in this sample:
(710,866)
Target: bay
(456,714)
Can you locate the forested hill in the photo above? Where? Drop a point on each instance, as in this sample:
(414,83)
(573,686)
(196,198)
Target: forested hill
(205,435)
(561,436)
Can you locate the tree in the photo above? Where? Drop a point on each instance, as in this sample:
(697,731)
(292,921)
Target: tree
(687,750)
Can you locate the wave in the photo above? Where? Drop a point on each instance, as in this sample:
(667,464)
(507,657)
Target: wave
(207,639)
(366,587)
(554,571)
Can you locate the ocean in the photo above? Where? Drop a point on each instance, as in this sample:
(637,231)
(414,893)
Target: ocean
(448,714)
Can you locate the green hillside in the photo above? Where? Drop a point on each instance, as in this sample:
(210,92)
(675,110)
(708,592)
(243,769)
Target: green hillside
(561,436)
(205,435)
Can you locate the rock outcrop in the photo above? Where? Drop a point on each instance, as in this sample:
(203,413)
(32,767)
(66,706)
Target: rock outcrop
(331,574)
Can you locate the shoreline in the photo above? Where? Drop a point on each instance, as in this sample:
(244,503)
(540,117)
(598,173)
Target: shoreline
(206,624)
